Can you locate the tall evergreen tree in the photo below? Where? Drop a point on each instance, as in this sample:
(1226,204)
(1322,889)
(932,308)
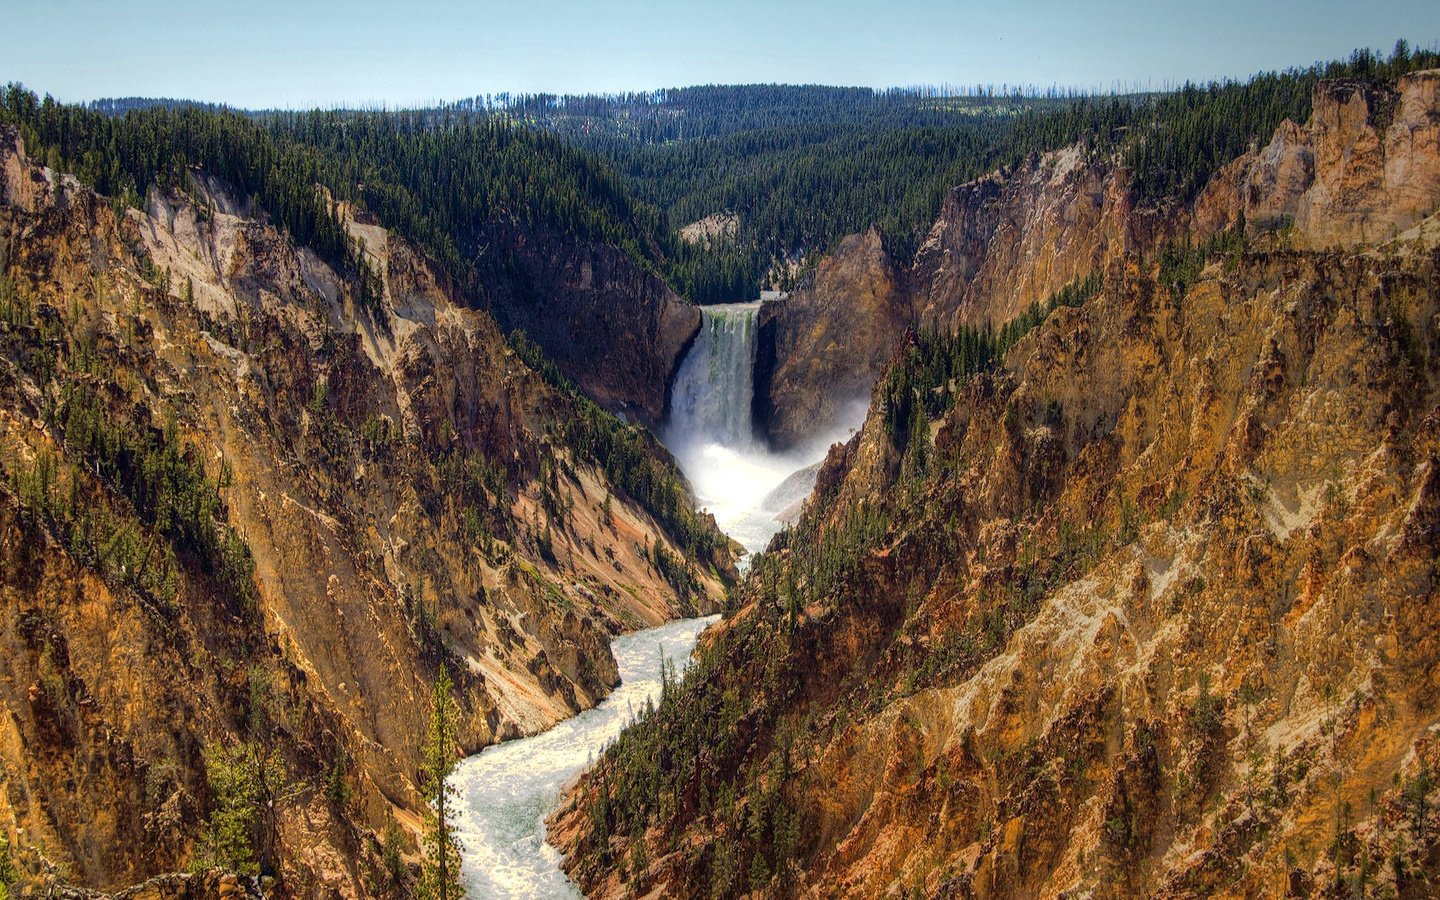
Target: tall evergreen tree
(440,874)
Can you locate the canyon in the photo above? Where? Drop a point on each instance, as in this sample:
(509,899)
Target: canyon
(1145,610)
(1085,546)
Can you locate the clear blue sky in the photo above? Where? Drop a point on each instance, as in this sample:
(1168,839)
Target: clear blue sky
(305,52)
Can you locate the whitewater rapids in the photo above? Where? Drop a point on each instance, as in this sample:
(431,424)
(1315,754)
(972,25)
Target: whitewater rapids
(506,791)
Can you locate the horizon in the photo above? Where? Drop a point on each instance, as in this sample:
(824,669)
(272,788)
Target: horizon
(980,90)
(368,55)
(498,100)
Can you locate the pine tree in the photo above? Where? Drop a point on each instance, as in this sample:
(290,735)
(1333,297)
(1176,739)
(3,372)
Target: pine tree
(440,876)
(8,873)
(246,783)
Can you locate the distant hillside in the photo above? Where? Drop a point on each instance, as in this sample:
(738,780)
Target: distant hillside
(798,166)
(119,106)
(715,111)
(541,233)
(801,167)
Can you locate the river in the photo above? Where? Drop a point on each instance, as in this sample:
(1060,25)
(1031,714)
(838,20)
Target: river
(506,791)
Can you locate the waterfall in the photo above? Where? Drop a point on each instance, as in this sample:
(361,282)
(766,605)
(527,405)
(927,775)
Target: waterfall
(735,476)
(710,401)
(710,429)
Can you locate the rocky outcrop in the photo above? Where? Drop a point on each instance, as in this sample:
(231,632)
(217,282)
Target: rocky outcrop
(999,244)
(1364,169)
(247,501)
(613,328)
(1004,242)
(208,885)
(819,350)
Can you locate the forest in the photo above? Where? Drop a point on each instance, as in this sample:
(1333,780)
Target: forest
(798,166)
(801,167)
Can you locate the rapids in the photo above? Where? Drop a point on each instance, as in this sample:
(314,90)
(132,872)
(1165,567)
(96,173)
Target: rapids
(505,792)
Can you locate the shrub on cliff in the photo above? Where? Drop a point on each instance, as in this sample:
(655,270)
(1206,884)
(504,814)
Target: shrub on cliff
(245,783)
(8,874)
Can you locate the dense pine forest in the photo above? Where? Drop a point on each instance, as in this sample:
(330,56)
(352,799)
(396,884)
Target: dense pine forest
(799,182)
(797,167)
(439,184)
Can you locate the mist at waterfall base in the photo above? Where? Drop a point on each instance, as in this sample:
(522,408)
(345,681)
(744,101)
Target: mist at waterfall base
(505,792)
(711,434)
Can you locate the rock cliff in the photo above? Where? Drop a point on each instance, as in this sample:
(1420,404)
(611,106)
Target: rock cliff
(249,501)
(1002,243)
(819,350)
(613,328)
(1364,169)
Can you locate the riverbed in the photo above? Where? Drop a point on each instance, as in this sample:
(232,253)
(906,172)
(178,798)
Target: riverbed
(506,791)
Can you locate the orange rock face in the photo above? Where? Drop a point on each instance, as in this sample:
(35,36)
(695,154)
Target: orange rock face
(1002,243)
(828,341)
(1364,169)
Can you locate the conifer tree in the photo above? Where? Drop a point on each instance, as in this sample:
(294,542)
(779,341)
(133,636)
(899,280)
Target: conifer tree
(247,782)
(440,875)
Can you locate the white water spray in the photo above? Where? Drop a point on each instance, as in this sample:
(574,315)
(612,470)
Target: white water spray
(713,437)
